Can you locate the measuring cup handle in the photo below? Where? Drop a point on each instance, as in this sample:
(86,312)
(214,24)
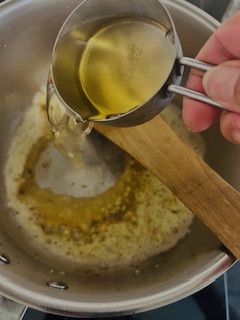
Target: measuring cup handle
(190,62)
(193,63)
(193,95)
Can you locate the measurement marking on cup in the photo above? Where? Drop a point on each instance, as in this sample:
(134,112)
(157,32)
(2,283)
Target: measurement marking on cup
(136,53)
(126,79)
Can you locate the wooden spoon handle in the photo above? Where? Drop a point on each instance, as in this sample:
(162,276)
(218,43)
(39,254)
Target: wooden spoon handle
(158,148)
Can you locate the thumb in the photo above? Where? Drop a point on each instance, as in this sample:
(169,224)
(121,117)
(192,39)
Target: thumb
(222,84)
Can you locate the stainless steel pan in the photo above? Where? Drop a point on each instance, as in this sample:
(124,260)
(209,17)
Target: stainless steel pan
(28,31)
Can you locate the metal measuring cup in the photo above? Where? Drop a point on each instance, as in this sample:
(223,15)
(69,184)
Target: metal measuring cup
(87,17)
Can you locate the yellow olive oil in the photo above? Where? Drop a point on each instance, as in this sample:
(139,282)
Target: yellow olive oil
(118,68)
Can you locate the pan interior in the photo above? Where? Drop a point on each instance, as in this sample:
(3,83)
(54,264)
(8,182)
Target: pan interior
(24,64)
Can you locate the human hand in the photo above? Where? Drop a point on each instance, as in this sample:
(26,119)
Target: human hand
(221,83)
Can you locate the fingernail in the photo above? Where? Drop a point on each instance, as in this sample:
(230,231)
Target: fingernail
(236,136)
(220,82)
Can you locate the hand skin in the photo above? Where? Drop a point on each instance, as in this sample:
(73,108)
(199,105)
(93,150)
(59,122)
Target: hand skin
(221,83)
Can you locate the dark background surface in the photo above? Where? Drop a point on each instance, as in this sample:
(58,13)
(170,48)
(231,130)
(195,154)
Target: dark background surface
(218,301)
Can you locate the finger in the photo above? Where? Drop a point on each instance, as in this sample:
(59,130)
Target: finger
(198,116)
(230,126)
(222,84)
(220,47)
(223,43)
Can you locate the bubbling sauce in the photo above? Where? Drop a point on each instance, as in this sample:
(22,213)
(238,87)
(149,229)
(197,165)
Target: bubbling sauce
(133,217)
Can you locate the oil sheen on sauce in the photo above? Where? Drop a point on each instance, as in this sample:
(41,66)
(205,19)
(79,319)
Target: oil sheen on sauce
(133,218)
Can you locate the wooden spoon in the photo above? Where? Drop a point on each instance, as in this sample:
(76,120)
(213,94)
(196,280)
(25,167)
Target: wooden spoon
(158,148)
